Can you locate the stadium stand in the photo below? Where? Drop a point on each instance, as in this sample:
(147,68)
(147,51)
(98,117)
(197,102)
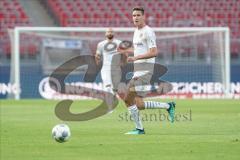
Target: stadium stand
(165,13)
(116,13)
(11,14)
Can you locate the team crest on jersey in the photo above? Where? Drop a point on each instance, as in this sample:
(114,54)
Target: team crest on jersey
(141,35)
(110,46)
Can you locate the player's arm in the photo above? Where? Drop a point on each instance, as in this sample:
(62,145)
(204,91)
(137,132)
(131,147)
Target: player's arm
(152,52)
(125,51)
(98,55)
(97,58)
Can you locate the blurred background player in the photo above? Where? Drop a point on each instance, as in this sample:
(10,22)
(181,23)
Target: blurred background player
(145,51)
(111,59)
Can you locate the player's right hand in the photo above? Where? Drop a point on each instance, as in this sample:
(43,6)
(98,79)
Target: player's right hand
(97,58)
(125,51)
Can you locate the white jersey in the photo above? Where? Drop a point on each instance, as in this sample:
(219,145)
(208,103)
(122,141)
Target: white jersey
(143,40)
(108,50)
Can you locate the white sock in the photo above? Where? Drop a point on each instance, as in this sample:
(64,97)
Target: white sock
(136,117)
(155,105)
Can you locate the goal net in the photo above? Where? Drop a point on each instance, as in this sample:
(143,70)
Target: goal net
(197,59)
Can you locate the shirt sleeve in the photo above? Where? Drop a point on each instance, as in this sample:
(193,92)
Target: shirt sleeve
(151,39)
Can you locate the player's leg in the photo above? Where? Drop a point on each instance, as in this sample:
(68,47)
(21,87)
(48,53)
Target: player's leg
(170,106)
(107,85)
(116,75)
(144,81)
(139,102)
(111,77)
(106,78)
(133,110)
(157,105)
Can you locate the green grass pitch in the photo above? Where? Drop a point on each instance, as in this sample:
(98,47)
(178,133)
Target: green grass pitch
(205,129)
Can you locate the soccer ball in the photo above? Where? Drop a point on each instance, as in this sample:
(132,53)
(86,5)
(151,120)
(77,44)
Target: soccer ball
(61,133)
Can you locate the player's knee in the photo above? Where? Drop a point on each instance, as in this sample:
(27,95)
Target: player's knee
(140,104)
(128,102)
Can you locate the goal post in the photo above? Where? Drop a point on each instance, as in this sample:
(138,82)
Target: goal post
(168,39)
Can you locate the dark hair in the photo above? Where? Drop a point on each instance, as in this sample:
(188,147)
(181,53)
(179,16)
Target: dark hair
(138,9)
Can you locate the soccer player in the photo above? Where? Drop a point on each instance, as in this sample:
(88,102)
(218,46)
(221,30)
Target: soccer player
(111,67)
(145,51)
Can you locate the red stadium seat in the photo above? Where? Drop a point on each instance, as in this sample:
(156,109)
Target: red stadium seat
(11,14)
(166,13)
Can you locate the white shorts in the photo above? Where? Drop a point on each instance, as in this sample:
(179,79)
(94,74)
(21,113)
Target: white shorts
(111,77)
(141,85)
